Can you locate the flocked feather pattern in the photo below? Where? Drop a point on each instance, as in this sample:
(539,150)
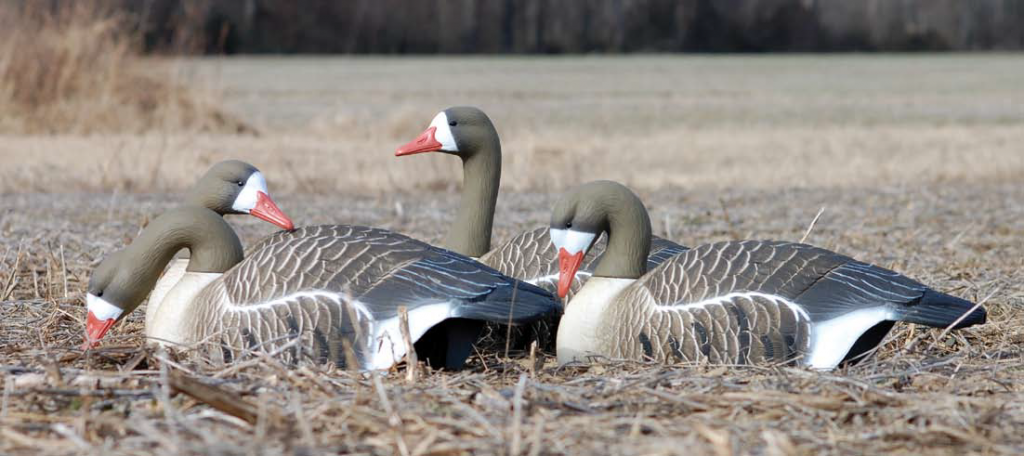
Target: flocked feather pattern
(757,301)
(335,287)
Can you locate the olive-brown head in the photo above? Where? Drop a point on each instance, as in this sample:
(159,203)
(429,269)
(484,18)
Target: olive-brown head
(588,210)
(236,187)
(459,130)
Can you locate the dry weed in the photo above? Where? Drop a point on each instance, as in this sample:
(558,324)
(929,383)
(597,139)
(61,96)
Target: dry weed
(923,392)
(74,67)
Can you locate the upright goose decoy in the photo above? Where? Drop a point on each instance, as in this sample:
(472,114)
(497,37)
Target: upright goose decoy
(228,187)
(468,133)
(326,293)
(728,302)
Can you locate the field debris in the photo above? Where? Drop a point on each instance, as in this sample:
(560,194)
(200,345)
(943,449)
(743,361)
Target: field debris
(924,391)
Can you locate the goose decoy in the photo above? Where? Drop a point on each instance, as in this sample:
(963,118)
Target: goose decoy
(468,133)
(326,293)
(228,187)
(728,302)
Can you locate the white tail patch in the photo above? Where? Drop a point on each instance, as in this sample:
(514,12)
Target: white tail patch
(831,340)
(386,344)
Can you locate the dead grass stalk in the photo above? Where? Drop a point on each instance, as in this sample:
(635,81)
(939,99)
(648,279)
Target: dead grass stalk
(75,67)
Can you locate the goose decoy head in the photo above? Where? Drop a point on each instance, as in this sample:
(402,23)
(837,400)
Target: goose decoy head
(458,130)
(577,219)
(113,293)
(236,187)
(588,210)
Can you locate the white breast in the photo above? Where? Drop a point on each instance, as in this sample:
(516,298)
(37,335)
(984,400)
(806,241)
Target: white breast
(578,329)
(172,274)
(171,323)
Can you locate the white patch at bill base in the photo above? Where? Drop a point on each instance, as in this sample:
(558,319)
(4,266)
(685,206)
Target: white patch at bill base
(443,132)
(102,309)
(247,198)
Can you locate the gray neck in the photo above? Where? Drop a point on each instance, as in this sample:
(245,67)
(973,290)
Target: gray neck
(471,233)
(629,237)
(213,245)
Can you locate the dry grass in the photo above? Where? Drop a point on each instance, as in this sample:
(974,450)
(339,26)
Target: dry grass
(916,160)
(74,67)
(921,393)
(331,124)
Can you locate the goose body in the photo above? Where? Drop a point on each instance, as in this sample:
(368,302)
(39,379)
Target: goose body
(468,133)
(328,294)
(326,288)
(728,302)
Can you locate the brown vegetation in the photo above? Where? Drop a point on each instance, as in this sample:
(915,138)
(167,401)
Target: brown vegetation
(75,67)
(330,125)
(916,161)
(924,392)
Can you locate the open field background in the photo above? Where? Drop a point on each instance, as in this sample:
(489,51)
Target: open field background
(917,160)
(331,125)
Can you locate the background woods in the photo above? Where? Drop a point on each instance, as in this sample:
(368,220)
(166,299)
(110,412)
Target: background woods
(552,26)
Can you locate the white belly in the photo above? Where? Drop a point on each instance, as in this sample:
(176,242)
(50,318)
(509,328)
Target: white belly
(174,319)
(578,329)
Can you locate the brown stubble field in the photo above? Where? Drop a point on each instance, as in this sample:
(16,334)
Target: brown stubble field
(918,162)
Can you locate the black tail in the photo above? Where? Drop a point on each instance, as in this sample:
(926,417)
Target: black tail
(941,310)
(519,302)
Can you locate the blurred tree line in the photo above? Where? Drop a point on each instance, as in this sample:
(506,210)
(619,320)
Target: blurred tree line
(575,26)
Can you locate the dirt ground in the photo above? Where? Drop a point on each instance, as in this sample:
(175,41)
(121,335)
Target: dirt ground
(920,169)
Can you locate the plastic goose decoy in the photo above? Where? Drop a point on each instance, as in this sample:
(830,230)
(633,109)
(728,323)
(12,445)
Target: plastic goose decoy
(468,133)
(728,302)
(229,187)
(333,292)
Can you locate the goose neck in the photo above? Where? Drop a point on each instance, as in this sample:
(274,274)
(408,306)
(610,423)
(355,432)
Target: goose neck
(213,245)
(629,239)
(471,233)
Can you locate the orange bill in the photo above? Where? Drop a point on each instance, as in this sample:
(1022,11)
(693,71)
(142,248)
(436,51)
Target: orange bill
(95,329)
(568,264)
(267,210)
(425,142)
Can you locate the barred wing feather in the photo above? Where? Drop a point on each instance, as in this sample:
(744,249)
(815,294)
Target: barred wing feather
(769,301)
(336,285)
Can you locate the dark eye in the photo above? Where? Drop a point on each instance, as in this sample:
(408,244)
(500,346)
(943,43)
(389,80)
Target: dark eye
(568,225)
(453,123)
(240,183)
(99,295)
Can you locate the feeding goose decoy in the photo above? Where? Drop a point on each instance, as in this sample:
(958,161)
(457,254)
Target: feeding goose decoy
(336,289)
(728,302)
(468,133)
